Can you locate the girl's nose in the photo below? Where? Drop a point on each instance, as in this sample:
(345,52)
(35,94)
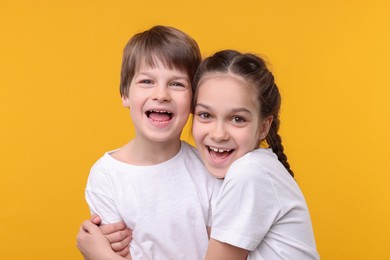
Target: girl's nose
(219,132)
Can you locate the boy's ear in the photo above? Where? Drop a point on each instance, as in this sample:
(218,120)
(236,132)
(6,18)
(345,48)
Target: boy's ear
(125,101)
(265,126)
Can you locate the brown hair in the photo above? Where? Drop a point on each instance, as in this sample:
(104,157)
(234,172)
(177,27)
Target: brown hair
(172,47)
(254,70)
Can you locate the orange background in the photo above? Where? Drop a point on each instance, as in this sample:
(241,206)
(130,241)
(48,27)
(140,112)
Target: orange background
(60,108)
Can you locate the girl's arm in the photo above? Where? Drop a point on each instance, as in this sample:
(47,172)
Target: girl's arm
(93,244)
(117,234)
(222,251)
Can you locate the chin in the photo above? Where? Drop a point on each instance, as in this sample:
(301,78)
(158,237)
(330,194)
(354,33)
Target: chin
(217,173)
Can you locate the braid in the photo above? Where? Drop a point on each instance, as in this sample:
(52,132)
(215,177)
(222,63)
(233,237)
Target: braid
(275,142)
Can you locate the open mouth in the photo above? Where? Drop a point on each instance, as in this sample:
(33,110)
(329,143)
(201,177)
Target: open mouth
(159,115)
(219,153)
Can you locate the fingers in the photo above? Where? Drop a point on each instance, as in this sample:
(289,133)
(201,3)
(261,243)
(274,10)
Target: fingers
(81,235)
(124,252)
(89,227)
(112,228)
(119,236)
(128,256)
(95,218)
(85,230)
(122,245)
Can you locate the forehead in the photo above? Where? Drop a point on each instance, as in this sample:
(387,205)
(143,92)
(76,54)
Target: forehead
(154,60)
(157,64)
(226,90)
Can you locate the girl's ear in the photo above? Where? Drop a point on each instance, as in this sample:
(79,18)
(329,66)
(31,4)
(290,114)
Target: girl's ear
(265,126)
(125,101)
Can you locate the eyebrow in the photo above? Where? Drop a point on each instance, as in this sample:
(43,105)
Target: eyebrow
(233,110)
(174,76)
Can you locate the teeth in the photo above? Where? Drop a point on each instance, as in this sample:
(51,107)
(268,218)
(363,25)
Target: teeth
(219,150)
(160,111)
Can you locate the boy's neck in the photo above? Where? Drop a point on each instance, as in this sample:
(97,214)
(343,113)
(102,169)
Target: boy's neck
(142,153)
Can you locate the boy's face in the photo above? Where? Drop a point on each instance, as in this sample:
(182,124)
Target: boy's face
(159,100)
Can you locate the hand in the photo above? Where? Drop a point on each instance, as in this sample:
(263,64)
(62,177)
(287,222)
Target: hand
(117,234)
(93,244)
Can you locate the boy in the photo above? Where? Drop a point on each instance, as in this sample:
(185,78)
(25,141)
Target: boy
(156,183)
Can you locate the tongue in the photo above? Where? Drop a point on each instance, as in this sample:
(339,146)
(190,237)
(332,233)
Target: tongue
(159,116)
(219,155)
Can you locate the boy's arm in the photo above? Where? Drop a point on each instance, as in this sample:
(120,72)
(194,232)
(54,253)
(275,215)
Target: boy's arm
(99,197)
(118,235)
(222,251)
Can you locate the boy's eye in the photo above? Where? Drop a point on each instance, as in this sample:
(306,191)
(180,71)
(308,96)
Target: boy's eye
(177,84)
(238,120)
(146,81)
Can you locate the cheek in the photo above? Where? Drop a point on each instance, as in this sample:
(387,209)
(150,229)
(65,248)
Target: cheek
(136,98)
(197,132)
(184,103)
(195,129)
(249,141)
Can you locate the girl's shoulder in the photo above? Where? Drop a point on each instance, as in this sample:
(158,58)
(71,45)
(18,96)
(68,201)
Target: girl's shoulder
(260,156)
(258,164)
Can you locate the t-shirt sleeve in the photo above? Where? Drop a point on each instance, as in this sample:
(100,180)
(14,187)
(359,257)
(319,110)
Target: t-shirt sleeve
(213,199)
(246,207)
(209,219)
(99,196)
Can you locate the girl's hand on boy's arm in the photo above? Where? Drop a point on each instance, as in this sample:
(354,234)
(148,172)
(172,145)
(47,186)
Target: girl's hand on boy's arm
(93,245)
(117,234)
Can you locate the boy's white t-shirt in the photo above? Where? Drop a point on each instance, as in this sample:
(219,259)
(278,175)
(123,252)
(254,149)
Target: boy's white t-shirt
(166,205)
(260,207)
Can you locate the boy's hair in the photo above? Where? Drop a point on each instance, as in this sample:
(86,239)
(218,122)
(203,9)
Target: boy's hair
(172,47)
(253,70)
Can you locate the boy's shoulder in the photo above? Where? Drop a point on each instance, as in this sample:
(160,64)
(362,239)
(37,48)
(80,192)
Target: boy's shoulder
(189,150)
(104,162)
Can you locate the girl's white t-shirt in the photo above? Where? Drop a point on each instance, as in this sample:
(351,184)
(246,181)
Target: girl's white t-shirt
(260,207)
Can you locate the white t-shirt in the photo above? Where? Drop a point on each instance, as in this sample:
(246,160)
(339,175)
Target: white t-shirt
(261,208)
(166,205)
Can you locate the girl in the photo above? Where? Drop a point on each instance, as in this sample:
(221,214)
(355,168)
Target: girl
(259,211)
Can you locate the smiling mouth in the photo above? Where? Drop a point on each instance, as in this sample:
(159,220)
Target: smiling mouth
(159,115)
(219,153)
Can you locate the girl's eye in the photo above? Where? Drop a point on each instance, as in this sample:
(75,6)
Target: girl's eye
(238,120)
(204,115)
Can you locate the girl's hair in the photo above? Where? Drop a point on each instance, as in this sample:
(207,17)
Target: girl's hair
(174,48)
(254,70)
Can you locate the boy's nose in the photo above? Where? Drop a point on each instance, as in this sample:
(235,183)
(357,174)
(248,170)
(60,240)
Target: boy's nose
(161,94)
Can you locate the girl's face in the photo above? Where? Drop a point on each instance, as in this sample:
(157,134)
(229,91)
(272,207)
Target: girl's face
(227,122)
